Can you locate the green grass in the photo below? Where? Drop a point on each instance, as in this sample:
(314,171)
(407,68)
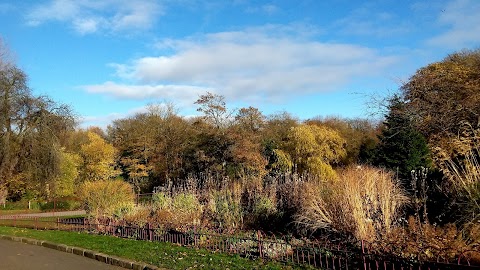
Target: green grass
(160,254)
(4,212)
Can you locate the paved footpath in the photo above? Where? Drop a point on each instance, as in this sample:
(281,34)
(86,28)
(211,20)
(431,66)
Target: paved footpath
(45,214)
(21,256)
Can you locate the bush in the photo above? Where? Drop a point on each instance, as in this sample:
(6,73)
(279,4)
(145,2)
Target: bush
(161,201)
(363,202)
(61,204)
(107,198)
(423,241)
(224,210)
(180,211)
(264,214)
(139,216)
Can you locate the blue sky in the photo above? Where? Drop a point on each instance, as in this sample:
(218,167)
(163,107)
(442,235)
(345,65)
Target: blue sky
(108,59)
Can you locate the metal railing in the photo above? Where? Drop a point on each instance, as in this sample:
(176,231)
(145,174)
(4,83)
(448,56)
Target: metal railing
(321,255)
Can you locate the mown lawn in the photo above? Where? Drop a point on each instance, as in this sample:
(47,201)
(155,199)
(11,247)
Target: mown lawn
(165,255)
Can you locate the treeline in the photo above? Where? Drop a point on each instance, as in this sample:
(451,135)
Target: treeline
(351,177)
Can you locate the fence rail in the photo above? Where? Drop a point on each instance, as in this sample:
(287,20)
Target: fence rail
(258,246)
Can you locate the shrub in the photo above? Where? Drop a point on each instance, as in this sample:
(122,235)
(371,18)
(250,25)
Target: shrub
(180,211)
(187,208)
(61,204)
(264,214)
(423,241)
(107,198)
(224,210)
(139,216)
(161,201)
(363,202)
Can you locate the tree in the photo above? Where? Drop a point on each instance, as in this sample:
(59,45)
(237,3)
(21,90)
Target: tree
(274,137)
(360,136)
(401,148)
(30,132)
(250,119)
(214,108)
(152,146)
(314,149)
(98,159)
(247,148)
(14,93)
(445,95)
(64,184)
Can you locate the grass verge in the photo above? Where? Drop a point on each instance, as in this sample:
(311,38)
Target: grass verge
(160,254)
(18,211)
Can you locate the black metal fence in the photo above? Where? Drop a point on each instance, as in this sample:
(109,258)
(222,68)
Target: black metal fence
(255,246)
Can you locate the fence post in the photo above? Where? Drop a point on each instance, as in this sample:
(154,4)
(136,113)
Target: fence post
(259,238)
(195,235)
(363,256)
(150,232)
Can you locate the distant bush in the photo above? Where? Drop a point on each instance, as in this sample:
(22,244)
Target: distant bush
(21,205)
(66,204)
(107,198)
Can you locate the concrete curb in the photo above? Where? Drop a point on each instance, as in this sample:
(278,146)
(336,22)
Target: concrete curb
(108,259)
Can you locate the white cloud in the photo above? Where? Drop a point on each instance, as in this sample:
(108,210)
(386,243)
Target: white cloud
(140,92)
(86,26)
(88,16)
(268,63)
(463,22)
(104,120)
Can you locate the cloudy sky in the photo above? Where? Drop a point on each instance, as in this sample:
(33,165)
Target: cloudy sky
(110,58)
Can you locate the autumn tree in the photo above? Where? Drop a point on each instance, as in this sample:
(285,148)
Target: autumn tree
(64,184)
(30,129)
(314,149)
(444,96)
(99,159)
(443,99)
(274,137)
(247,148)
(151,145)
(360,137)
(213,107)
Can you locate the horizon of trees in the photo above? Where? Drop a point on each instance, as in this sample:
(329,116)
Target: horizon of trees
(432,122)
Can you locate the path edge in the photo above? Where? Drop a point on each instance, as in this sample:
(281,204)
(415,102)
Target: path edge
(98,256)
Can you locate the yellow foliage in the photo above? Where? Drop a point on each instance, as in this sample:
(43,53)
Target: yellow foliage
(283,162)
(107,198)
(98,159)
(315,148)
(64,184)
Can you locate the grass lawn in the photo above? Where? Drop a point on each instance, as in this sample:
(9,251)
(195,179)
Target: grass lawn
(161,254)
(18,211)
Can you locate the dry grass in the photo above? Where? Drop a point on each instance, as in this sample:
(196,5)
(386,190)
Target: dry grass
(363,202)
(423,241)
(462,169)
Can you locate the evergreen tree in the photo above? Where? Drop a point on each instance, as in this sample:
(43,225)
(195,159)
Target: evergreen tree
(402,148)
